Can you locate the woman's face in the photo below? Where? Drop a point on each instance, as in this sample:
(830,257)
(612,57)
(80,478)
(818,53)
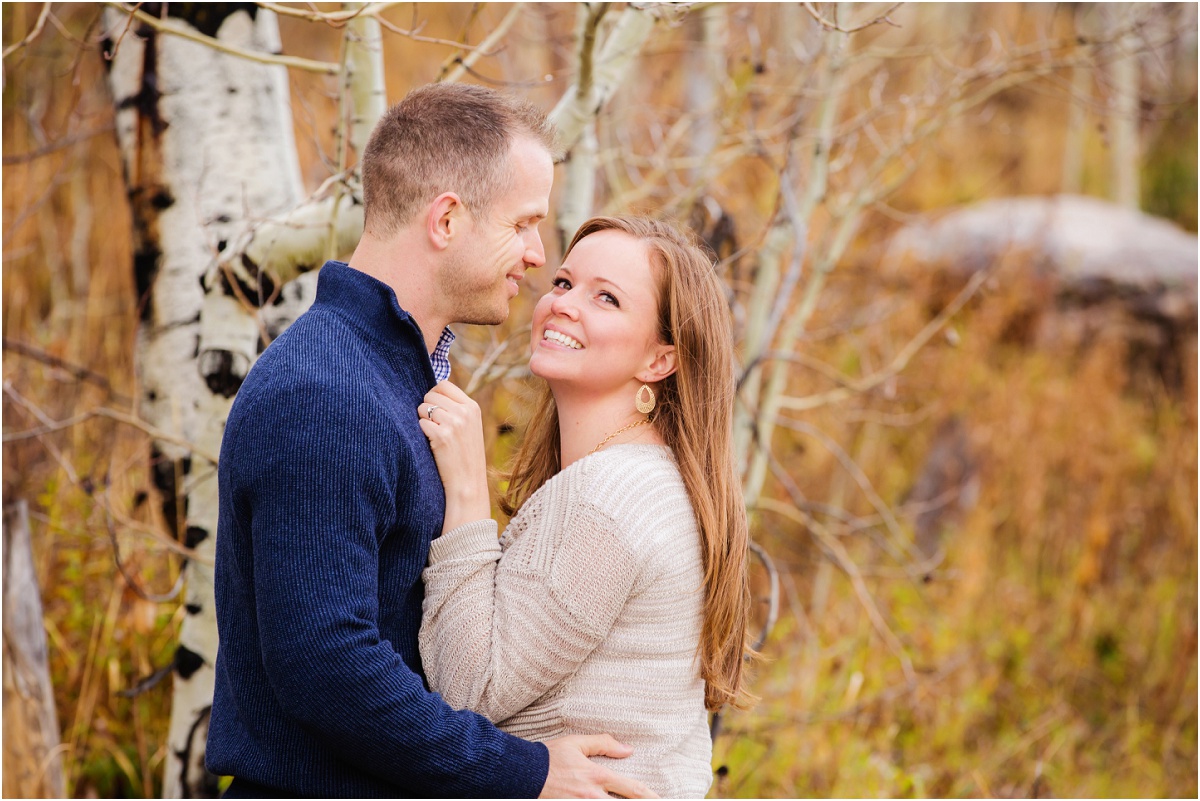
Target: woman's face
(597,327)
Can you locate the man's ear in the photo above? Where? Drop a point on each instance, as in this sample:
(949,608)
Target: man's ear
(445,219)
(662,364)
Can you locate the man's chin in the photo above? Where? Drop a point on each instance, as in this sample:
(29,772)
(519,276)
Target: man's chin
(486,317)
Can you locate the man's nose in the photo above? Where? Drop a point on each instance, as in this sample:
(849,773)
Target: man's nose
(535,253)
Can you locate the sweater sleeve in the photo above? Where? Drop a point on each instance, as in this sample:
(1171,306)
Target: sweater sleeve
(317,473)
(501,630)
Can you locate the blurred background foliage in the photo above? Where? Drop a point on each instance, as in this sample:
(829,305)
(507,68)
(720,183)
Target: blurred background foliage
(1052,647)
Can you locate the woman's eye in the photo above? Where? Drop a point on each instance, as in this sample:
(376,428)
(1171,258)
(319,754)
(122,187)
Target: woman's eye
(562,283)
(608,298)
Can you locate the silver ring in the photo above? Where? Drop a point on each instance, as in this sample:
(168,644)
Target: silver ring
(429,412)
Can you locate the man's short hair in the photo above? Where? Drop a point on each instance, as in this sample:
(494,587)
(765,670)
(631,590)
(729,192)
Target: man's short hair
(444,137)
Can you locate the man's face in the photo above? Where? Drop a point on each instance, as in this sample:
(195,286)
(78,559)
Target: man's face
(499,245)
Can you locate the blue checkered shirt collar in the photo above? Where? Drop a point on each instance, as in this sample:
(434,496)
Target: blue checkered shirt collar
(440,358)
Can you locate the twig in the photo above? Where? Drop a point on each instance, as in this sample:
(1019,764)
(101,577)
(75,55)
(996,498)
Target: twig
(772,597)
(50,426)
(54,147)
(78,371)
(478,375)
(901,360)
(484,48)
(855,472)
(165,26)
(332,17)
(133,583)
(53,450)
(33,34)
(833,26)
(843,560)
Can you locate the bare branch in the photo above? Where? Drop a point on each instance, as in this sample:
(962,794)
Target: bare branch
(79,372)
(573,112)
(901,359)
(186,32)
(833,26)
(130,580)
(337,18)
(484,48)
(842,559)
(49,426)
(54,147)
(33,33)
(850,466)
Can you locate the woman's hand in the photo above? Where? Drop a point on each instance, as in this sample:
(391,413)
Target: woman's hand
(454,426)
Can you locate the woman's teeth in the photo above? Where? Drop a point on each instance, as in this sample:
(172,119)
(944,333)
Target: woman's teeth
(562,339)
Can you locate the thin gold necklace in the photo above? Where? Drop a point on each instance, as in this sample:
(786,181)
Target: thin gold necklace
(604,441)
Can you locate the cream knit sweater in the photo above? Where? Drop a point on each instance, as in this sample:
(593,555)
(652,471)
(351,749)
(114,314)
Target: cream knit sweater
(584,618)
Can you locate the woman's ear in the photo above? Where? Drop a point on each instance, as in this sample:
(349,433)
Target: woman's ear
(445,219)
(662,364)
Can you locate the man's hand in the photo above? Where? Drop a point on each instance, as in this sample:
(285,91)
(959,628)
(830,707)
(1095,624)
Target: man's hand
(573,775)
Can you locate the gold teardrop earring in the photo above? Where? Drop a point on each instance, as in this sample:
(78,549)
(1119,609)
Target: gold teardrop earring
(644,406)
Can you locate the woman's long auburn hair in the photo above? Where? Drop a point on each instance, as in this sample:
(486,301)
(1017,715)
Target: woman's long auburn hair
(694,416)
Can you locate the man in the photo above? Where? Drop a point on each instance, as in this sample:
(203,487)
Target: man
(329,495)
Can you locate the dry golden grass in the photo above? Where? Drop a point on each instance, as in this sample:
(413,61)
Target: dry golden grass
(1054,647)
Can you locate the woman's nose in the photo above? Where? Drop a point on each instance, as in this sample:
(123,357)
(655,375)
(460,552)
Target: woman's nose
(564,305)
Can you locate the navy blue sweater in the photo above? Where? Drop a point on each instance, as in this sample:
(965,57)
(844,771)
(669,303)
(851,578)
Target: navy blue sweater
(329,498)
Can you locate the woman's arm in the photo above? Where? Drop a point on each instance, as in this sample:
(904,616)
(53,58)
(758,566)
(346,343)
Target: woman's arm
(500,631)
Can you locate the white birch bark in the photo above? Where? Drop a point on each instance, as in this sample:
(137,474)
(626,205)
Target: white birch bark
(207,143)
(705,72)
(792,223)
(1123,122)
(577,109)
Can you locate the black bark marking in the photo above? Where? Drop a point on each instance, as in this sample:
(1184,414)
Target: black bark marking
(162,199)
(219,368)
(193,748)
(148,96)
(194,609)
(145,268)
(257,291)
(187,662)
(163,472)
(194,536)
(208,17)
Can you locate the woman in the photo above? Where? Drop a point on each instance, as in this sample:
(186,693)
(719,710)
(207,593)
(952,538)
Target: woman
(617,599)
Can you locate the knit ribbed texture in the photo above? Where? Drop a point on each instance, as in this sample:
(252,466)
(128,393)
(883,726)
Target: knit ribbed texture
(329,498)
(584,618)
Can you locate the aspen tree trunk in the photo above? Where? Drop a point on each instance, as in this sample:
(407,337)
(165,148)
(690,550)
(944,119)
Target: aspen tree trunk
(33,765)
(1123,122)
(600,72)
(207,143)
(705,70)
(772,294)
(1082,19)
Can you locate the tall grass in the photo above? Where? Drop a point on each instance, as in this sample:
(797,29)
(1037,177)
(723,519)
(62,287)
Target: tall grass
(1054,647)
